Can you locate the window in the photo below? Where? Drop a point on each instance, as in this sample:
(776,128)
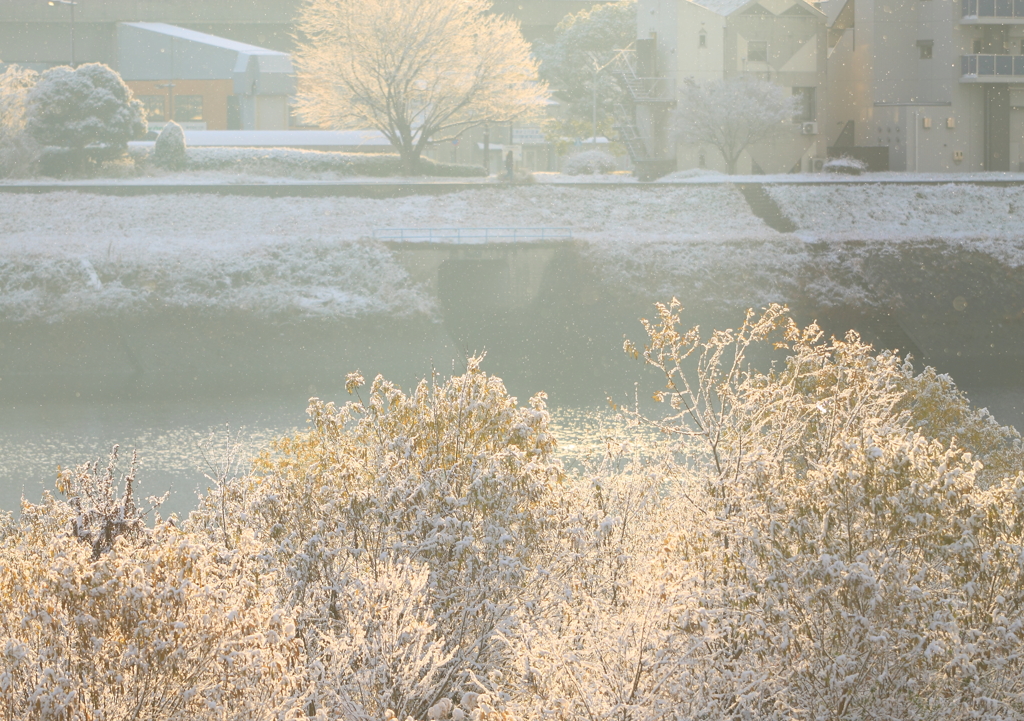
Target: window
(154,106)
(188,107)
(757,51)
(703,42)
(806,110)
(924,47)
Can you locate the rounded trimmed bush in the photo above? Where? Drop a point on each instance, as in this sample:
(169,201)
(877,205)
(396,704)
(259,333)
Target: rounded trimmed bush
(169,150)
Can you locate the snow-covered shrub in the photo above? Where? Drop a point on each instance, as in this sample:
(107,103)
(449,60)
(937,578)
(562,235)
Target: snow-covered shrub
(845,165)
(167,629)
(837,554)
(82,107)
(169,149)
(450,477)
(589,162)
(18,151)
(98,515)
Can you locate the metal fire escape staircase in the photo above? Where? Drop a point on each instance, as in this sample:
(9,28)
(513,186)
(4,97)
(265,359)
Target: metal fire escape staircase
(639,91)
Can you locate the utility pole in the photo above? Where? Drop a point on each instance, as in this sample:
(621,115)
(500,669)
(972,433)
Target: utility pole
(71,4)
(487,149)
(595,69)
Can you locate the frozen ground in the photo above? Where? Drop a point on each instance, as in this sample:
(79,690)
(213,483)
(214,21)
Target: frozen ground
(65,252)
(68,252)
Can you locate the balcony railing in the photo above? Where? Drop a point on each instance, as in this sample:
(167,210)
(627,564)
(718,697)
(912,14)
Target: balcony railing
(991,65)
(992,8)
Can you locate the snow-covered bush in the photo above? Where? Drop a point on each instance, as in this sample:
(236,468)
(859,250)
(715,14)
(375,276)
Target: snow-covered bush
(450,477)
(845,165)
(834,537)
(169,149)
(589,162)
(18,152)
(835,553)
(89,106)
(159,625)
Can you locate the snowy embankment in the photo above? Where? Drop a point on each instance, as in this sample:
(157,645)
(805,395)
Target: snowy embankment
(67,253)
(890,212)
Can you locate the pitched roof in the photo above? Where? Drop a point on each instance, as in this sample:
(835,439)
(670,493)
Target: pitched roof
(203,38)
(729,7)
(722,7)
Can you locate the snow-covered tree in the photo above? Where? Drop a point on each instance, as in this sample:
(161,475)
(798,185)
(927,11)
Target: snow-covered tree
(733,114)
(16,148)
(418,71)
(584,42)
(88,105)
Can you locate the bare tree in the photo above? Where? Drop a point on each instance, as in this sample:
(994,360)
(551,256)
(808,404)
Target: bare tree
(416,70)
(733,114)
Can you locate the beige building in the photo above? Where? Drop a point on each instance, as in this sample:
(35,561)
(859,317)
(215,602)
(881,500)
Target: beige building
(781,41)
(939,83)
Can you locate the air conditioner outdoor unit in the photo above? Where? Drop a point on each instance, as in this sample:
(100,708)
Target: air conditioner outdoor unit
(808,128)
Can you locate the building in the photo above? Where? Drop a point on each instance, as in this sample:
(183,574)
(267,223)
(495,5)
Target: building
(939,84)
(38,35)
(781,41)
(204,81)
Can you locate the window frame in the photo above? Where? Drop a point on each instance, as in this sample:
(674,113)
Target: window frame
(762,45)
(185,100)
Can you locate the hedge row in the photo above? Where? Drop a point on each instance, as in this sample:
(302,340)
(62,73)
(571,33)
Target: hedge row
(288,160)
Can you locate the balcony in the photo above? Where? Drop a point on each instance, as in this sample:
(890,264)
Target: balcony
(992,68)
(992,12)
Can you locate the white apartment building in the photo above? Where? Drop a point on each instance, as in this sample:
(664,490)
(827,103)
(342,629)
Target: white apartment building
(940,83)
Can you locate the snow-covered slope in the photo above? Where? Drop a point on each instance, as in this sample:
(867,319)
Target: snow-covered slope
(68,252)
(63,253)
(866,211)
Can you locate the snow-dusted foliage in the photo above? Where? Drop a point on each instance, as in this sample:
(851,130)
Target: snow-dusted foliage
(169,148)
(17,150)
(832,538)
(731,115)
(168,628)
(450,479)
(88,105)
(589,162)
(583,42)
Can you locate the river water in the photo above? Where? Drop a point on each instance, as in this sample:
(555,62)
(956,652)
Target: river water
(183,443)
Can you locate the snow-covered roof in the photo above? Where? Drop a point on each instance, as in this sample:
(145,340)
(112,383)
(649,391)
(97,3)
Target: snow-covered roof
(722,7)
(729,7)
(195,36)
(285,138)
(158,51)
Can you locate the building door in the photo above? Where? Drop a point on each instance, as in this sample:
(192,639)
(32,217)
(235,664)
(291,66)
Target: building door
(997,127)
